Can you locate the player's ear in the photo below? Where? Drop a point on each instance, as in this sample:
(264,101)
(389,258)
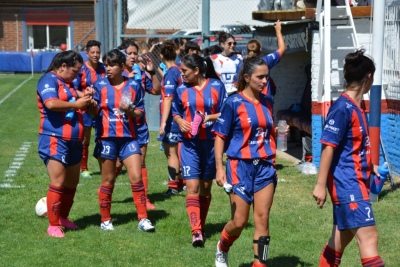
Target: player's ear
(246,77)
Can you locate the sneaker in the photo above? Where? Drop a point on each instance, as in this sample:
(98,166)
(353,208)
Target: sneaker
(145,225)
(107,225)
(171,192)
(221,258)
(55,231)
(68,224)
(149,205)
(86,174)
(197,240)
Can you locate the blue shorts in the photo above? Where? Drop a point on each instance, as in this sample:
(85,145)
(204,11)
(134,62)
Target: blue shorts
(113,148)
(353,215)
(68,152)
(249,176)
(97,149)
(143,135)
(88,120)
(197,159)
(170,138)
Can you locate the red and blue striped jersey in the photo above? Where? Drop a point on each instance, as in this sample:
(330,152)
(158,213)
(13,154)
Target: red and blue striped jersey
(247,128)
(50,86)
(346,130)
(272,60)
(170,82)
(208,100)
(88,76)
(111,122)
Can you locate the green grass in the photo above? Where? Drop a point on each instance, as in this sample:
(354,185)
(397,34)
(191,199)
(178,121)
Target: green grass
(298,228)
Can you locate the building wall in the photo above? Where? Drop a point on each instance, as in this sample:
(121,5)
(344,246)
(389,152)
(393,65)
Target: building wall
(82,19)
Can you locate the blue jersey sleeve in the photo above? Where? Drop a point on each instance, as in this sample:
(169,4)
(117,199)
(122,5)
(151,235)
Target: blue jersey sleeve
(272,59)
(47,88)
(171,81)
(336,126)
(225,121)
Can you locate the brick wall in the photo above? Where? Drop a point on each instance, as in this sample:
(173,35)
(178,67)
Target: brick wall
(83,21)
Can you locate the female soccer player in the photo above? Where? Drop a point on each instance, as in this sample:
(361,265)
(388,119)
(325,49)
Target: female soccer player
(92,70)
(245,131)
(227,63)
(150,84)
(168,129)
(198,97)
(60,139)
(345,168)
(254,50)
(120,101)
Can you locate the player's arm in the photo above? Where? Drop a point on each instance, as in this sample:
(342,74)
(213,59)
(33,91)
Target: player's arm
(58,105)
(219,145)
(279,36)
(167,103)
(319,192)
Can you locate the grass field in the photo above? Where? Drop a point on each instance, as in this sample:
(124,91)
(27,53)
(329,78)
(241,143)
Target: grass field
(298,228)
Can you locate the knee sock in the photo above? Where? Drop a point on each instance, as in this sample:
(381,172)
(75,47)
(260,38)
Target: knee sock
(66,201)
(193,211)
(105,196)
(85,155)
(139,199)
(145,181)
(372,262)
(205,202)
(258,264)
(330,257)
(226,241)
(54,196)
(173,184)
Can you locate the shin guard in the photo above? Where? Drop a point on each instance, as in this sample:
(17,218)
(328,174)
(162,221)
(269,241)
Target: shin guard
(263,244)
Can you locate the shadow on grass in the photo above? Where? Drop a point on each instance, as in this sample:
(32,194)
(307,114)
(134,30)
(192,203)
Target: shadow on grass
(386,192)
(120,218)
(282,261)
(154,197)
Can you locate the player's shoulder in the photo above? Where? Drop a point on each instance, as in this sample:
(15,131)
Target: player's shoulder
(101,82)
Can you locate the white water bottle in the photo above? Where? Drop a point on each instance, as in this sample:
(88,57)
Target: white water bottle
(282,136)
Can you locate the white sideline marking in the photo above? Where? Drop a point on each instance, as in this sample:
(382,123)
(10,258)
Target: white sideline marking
(14,90)
(14,166)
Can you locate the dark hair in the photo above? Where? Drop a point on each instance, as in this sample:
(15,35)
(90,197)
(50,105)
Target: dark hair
(168,50)
(248,67)
(114,57)
(91,43)
(179,41)
(193,61)
(190,45)
(253,48)
(153,40)
(68,57)
(127,43)
(224,36)
(357,67)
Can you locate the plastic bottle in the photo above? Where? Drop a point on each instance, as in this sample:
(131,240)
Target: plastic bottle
(227,188)
(69,115)
(282,136)
(377,182)
(137,76)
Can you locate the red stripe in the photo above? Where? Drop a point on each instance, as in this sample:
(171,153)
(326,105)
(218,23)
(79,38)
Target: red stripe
(234,165)
(243,115)
(106,115)
(53,145)
(262,122)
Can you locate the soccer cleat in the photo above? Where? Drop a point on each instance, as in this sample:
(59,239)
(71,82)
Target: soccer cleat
(161,148)
(197,240)
(55,231)
(107,225)
(197,121)
(145,225)
(86,174)
(221,258)
(149,205)
(171,192)
(68,224)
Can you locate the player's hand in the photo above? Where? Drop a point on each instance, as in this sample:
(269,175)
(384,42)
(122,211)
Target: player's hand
(184,126)
(220,177)
(319,195)
(161,131)
(89,91)
(83,102)
(278,26)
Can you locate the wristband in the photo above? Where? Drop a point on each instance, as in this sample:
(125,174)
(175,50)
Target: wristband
(151,72)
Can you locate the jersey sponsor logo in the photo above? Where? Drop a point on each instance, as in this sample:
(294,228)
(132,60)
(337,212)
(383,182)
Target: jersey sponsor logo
(348,105)
(47,89)
(329,127)
(249,120)
(169,85)
(215,83)
(256,161)
(241,190)
(133,83)
(237,99)
(221,120)
(102,83)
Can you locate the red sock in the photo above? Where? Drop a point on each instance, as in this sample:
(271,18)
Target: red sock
(226,241)
(139,198)
(330,257)
(54,196)
(258,264)
(181,183)
(66,201)
(205,202)
(173,184)
(372,262)
(193,211)
(85,155)
(105,196)
(145,181)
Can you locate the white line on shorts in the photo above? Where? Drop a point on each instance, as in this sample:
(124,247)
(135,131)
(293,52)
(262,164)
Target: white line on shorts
(14,90)
(15,166)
